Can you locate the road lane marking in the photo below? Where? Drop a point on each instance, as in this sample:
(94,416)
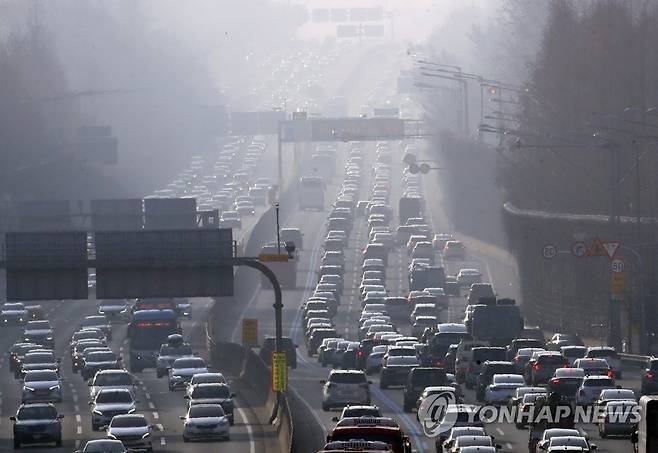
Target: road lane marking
(250,432)
(151,405)
(160,427)
(79,430)
(163,442)
(76,408)
(78,418)
(156,415)
(500,431)
(317,418)
(148,395)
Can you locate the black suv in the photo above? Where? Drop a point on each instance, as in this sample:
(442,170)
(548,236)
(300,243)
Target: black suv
(287,346)
(37,423)
(417,380)
(489,368)
(650,377)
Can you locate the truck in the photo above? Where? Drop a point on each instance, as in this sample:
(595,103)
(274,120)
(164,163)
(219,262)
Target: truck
(495,321)
(410,207)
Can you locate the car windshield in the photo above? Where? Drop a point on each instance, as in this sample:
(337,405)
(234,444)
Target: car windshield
(189,363)
(39,357)
(211,391)
(347,378)
(602,353)
(101,357)
(94,321)
(203,411)
(114,397)
(598,383)
(37,325)
(110,379)
(37,376)
(176,350)
(568,440)
(37,413)
(104,446)
(403,360)
(128,421)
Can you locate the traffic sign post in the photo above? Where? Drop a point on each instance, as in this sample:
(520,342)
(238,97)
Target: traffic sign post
(279,373)
(617,284)
(617,266)
(549,251)
(579,249)
(250,332)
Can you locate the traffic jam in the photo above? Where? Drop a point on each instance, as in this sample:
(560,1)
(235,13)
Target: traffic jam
(44,364)
(441,339)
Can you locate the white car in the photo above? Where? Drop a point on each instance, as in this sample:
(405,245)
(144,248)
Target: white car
(344,387)
(103,446)
(108,404)
(618,418)
(205,378)
(502,388)
(213,394)
(205,422)
(557,443)
(466,277)
(591,388)
(111,379)
(183,369)
(608,395)
(131,429)
(41,386)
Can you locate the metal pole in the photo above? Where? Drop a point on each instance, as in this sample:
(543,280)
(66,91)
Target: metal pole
(466,126)
(278,230)
(279,160)
(614,323)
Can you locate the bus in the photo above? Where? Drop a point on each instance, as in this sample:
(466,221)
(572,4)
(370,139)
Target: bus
(645,438)
(286,272)
(147,331)
(311,192)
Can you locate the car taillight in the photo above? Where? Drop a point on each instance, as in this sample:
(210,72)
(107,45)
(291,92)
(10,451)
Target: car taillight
(439,363)
(517,359)
(535,367)
(555,381)
(359,353)
(649,375)
(610,373)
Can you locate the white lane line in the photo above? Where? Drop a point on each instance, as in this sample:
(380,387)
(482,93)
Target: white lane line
(148,395)
(310,409)
(76,408)
(75,398)
(79,430)
(156,415)
(78,419)
(163,442)
(500,431)
(160,427)
(250,431)
(151,405)
(509,446)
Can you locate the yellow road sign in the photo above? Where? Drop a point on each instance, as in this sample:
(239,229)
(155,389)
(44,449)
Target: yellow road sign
(279,372)
(250,332)
(265,257)
(617,283)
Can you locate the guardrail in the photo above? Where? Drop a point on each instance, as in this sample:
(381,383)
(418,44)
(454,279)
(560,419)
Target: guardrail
(633,360)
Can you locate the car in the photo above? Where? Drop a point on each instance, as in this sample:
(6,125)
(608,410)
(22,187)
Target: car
(566,382)
(230,219)
(38,359)
(466,277)
(345,387)
(594,367)
(616,394)
(649,380)
(523,343)
(37,423)
(434,390)
(542,442)
(358,411)
(86,335)
(205,378)
(395,370)
(610,356)
(13,313)
(109,403)
(39,332)
(502,387)
(133,430)
(542,365)
(571,353)
(617,419)
(77,355)
(16,354)
(41,386)
(174,348)
(99,360)
(183,369)
(591,387)
(418,380)
(462,431)
(520,392)
(454,250)
(556,443)
(439,240)
(103,446)
(526,408)
(212,393)
(111,379)
(375,359)
(463,442)
(485,377)
(35,312)
(113,309)
(205,422)
(98,322)
(383,429)
(523,356)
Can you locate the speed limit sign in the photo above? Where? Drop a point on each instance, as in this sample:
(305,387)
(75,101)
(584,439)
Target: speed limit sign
(617,266)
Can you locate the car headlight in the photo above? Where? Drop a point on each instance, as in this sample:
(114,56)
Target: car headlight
(97,412)
(124,310)
(54,387)
(112,436)
(146,435)
(49,338)
(31,389)
(132,410)
(223,421)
